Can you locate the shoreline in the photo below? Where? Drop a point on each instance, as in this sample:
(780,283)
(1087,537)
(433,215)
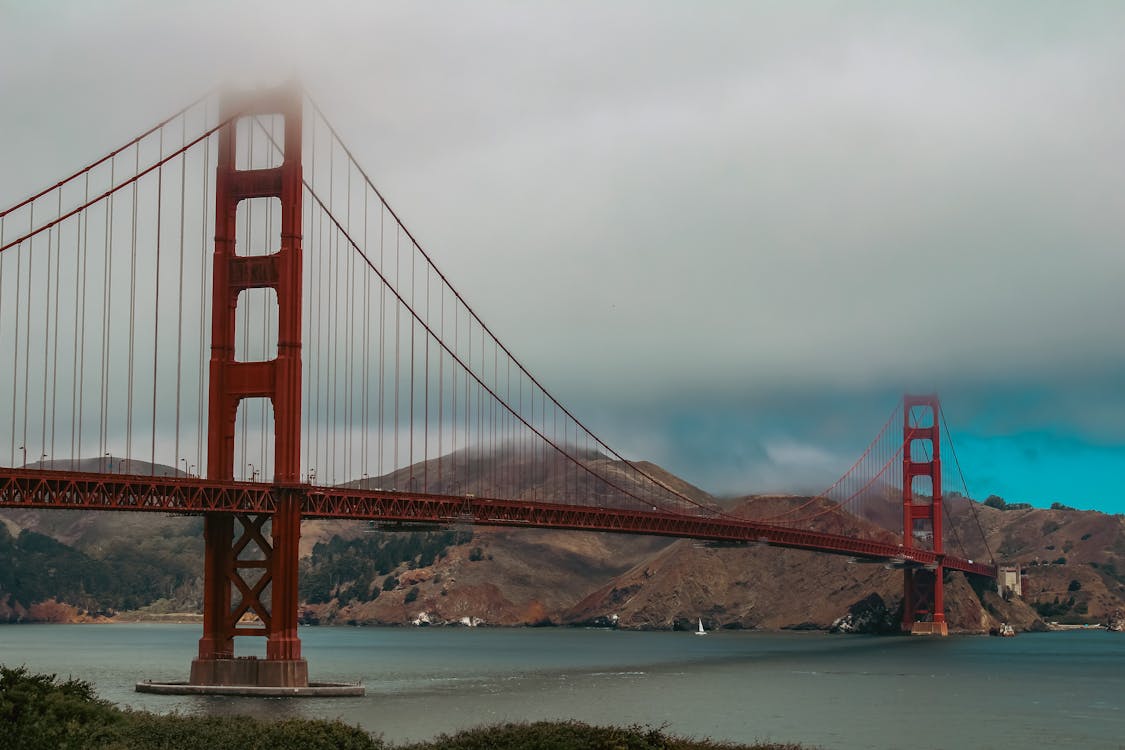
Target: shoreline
(191,618)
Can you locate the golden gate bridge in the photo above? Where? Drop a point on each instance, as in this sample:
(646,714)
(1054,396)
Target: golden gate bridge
(224,317)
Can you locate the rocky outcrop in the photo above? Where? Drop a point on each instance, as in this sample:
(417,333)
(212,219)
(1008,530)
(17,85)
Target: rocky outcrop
(869,615)
(1116,620)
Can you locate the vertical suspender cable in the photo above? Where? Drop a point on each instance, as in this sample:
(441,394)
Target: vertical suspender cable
(107,285)
(133,306)
(426,398)
(452,410)
(333,318)
(55,335)
(349,311)
(306,360)
(77,365)
(180,298)
(156,301)
(413,328)
(366,342)
(27,336)
(132,314)
(12,446)
(202,405)
(398,332)
(54,236)
(441,393)
(382,334)
(318,251)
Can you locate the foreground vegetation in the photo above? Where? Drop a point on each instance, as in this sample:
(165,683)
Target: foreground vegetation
(41,712)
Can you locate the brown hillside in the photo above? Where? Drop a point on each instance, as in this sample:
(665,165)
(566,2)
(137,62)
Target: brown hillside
(1074,560)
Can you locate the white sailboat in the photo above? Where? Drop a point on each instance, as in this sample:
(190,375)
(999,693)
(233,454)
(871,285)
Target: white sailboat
(701,631)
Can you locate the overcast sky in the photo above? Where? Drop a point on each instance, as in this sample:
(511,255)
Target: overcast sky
(727,235)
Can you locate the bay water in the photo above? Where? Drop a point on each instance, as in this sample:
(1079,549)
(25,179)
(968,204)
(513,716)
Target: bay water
(1042,690)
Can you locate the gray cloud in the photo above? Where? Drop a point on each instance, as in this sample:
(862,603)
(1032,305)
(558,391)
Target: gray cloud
(662,204)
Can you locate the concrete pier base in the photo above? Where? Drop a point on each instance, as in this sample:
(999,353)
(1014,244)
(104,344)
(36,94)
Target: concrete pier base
(311,690)
(250,671)
(929,628)
(251,676)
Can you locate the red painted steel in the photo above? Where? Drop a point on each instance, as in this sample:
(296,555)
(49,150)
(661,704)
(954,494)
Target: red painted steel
(278,379)
(189,496)
(923,591)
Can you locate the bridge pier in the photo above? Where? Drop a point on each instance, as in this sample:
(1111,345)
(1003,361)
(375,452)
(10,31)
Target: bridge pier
(923,604)
(274,562)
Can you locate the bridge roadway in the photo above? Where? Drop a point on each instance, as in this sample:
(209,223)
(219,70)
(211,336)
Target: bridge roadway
(22,488)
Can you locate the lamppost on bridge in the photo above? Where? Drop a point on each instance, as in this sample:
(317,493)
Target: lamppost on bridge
(24,449)
(184,460)
(312,475)
(253,473)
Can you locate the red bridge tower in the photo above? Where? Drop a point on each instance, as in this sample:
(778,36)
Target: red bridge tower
(923,600)
(250,574)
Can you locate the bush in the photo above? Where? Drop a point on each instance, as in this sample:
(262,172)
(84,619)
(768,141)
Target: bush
(37,712)
(390,583)
(144,731)
(1052,609)
(1075,585)
(411,595)
(574,735)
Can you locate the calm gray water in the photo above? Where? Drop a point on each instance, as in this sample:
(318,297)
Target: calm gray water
(1037,690)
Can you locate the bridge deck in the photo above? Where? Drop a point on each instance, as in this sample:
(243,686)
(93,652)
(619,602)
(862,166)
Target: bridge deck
(21,488)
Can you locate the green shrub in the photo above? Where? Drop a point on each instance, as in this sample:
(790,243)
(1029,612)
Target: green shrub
(37,712)
(574,735)
(145,731)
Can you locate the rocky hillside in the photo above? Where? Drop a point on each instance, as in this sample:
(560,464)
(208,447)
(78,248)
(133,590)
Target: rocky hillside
(70,565)
(762,587)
